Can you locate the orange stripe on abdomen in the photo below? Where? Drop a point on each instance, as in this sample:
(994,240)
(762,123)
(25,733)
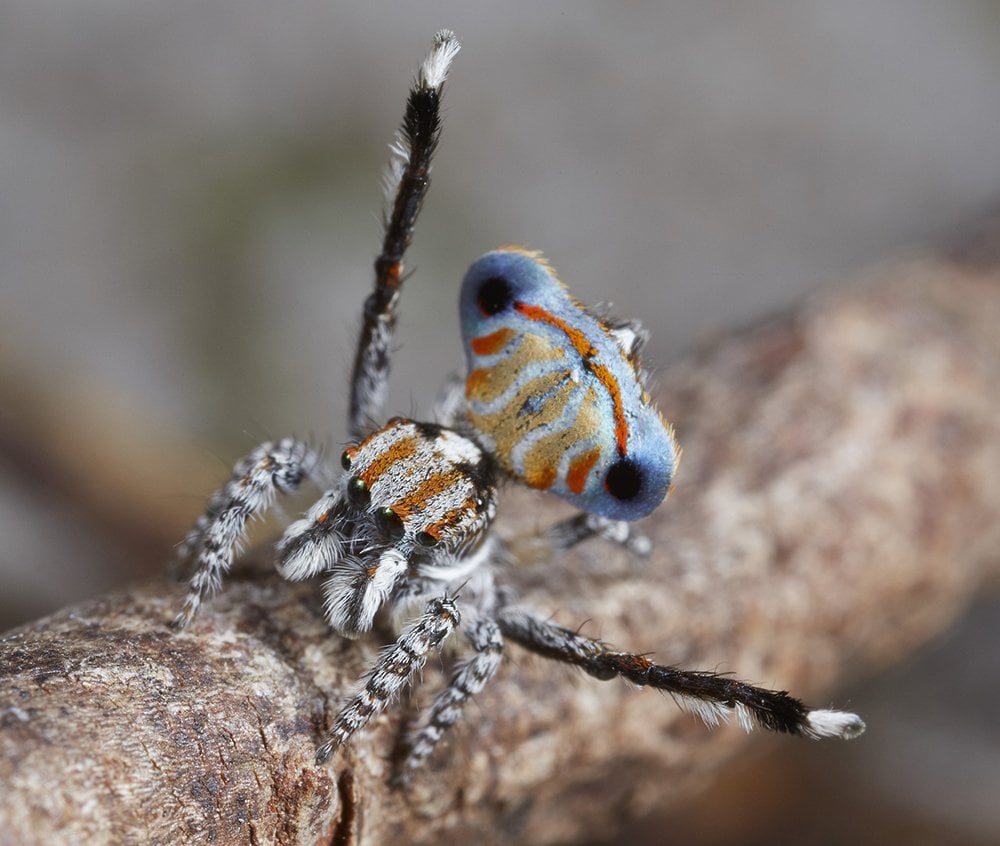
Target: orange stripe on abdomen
(492,343)
(587,352)
(579,469)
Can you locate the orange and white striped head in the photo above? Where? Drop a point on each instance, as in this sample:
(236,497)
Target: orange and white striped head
(420,486)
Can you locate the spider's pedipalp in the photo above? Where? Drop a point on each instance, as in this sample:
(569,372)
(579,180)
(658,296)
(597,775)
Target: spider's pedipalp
(313,544)
(356,591)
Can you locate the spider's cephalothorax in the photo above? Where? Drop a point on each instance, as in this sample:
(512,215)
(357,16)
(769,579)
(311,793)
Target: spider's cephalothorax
(416,498)
(554,399)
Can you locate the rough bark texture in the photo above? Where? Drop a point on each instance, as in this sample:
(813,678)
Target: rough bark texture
(836,505)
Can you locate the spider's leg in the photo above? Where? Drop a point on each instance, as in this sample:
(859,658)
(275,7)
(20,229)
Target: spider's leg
(539,546)
(449,404)
(406,182)
(392,672)
(573,530)
(467,680)
(711,696)
(269,469)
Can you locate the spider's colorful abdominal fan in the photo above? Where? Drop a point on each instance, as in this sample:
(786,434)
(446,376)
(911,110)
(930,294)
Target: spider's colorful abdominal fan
(556,394)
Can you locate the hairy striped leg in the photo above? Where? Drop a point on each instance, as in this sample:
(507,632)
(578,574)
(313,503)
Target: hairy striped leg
(406,182)
(269,469)
(467,680)
(576,529)
(536,548)
(711,696)
(392,672)
(449,404)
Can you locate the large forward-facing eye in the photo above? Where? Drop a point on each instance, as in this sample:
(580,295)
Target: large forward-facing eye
(389,523)
(358,493)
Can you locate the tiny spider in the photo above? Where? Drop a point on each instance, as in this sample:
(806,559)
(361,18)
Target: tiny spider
(553,398)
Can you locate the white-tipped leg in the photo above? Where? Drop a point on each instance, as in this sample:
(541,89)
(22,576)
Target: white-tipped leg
(468,679)
(827,723)
(269,469)
(434,70)
(539,547)
(711,696)
(405,185)
(393,671)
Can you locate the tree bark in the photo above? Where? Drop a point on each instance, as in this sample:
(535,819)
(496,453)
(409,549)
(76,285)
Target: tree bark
(835,506)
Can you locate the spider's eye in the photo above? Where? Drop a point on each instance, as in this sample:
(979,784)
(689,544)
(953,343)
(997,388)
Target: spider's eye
(358,493)
(345,460)
(389,523)
(426,539)
(494,295)
(624,480)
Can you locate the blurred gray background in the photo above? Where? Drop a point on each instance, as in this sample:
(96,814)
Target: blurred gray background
(189,200)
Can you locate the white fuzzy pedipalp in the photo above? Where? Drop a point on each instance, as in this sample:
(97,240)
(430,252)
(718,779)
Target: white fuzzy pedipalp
(356,591)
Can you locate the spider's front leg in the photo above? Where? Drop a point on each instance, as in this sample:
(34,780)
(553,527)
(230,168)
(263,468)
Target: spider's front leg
(269,469)
(711,696)
(468,679)
(394,669)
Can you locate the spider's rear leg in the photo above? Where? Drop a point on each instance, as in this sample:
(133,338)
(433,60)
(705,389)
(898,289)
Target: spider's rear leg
(576,529)
(449,404)
(711,696)
(467,680)
(269,469)
(392,672)
(540,546)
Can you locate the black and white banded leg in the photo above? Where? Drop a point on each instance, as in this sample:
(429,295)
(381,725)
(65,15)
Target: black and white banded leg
(405,185)
(580,527)
(392,672)
(468,679)
(269,469)
(711,696)
(540,546)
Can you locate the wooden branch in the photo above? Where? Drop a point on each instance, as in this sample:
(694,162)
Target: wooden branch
(836,505)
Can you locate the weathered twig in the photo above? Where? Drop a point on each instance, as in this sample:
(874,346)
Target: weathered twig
(836,505)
